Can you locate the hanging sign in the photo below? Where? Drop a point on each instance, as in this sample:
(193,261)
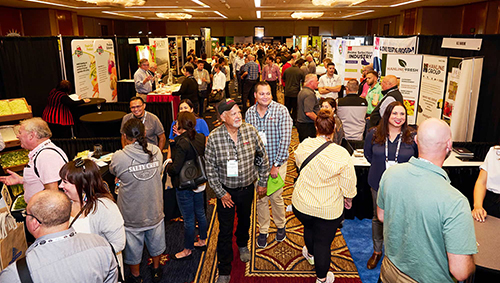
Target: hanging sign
(356,58)
(462,43)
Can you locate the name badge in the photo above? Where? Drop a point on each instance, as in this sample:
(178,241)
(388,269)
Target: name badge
(199,81)
(232,168)
(269,76)
(389,163)
(263,138)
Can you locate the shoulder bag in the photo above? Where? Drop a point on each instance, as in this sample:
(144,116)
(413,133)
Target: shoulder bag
(310,157)
(193,172)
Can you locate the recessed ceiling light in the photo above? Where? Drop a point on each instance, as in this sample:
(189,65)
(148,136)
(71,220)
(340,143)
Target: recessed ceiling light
(122,15)
(257,3)
(258,14)
(201,3)
(218,13)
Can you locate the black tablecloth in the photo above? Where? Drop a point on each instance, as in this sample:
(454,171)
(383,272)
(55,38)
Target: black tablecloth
(125,91)
(103,117)
(93,102)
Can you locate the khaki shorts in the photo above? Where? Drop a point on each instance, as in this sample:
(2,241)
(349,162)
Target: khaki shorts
(389,273)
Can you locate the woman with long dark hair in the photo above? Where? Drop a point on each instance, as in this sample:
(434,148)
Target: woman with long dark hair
(191,201)
(93,209)
(137,168)
(326,185)
(57,112)
(390,143)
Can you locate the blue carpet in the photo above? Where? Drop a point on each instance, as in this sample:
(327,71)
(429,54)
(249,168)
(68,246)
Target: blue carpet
(358,236)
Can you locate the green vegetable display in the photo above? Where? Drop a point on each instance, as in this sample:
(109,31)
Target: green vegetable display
(17,189)
(19,203)
(14,158)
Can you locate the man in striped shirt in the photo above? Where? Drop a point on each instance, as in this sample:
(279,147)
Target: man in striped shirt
(271,74)
(235,157)
(274,124)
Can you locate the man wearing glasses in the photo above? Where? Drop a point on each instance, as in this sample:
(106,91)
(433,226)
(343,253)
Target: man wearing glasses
(154,129)
(59,252)
(143,79)
(45,159)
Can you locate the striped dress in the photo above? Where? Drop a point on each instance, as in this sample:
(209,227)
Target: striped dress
(57,110)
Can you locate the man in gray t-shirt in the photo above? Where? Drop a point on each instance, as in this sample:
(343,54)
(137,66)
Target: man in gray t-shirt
(155,132)
(307,107)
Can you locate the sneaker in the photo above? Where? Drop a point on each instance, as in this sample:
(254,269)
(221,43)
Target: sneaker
(309,258)
(157,274)
(281,234)
(244,254)
(223,279)
(262,240)
(133,279)
(329,278)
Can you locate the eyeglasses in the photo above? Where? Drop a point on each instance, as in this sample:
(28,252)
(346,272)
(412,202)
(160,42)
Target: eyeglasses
(134,107)
(80,163)
(24,214)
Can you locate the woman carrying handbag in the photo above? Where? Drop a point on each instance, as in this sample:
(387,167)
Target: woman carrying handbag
(189,145)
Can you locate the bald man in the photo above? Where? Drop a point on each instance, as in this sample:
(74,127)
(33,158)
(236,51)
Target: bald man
(428,227)
(59,252)
(391,93)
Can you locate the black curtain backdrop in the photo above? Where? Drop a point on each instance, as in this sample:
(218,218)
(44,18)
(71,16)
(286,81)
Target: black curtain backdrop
(30,68)
(487,124)
(127,56)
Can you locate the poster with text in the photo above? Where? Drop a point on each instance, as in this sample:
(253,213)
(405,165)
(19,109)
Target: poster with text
(432,87)
(454,72)
(106,69)
(356,58)
(84,68)
(190,44)
(144,52)
(407,69)
(382,45)
(339,57)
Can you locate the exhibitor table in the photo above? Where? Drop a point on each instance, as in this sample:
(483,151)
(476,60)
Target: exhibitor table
(487,259)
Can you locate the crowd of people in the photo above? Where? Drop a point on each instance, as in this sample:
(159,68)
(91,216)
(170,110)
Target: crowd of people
(424,223)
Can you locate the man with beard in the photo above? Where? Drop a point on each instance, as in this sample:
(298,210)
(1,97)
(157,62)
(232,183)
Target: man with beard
(391,93)
(235,157)
(154,129)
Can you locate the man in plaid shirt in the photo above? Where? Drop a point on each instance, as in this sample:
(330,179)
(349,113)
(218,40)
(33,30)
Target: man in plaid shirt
(274,124)
(235,157)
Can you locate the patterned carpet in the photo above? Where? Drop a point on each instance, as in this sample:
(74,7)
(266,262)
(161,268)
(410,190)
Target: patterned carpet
(278,262)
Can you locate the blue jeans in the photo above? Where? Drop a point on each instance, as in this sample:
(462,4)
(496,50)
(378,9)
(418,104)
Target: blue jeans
(191,205)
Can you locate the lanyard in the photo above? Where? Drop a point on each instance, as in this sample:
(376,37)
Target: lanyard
(387,149)
(143,117)
(57,239)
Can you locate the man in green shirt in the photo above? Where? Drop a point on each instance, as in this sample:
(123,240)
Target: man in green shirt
(374,92)
(428,227)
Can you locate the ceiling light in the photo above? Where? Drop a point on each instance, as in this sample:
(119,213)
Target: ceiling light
(122,15)
(190,10)
(306,15)
(404,3)
(201,3)
(227,6)
(357,2)
(240,17)
(119,3)
(177,16)
(365,12)
(49,3)
(258,14)
(257,3)
(323,2)
(154,7)
(217,12)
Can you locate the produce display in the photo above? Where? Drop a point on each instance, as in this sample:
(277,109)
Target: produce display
(17,189)
(82,154)
(14,106)
(19,203)
(18,106)
(14,158)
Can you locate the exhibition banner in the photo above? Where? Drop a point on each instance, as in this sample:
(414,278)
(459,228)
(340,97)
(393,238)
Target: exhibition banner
(84,68)
(356,58)
(382,45)
(106,69)
(145,52)
(329,43)
(162,53)
(432,87)
(339,57)
(407,68)
(462,96)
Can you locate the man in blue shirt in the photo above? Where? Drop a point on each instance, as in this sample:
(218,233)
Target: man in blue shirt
(251,77)
(274,124)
